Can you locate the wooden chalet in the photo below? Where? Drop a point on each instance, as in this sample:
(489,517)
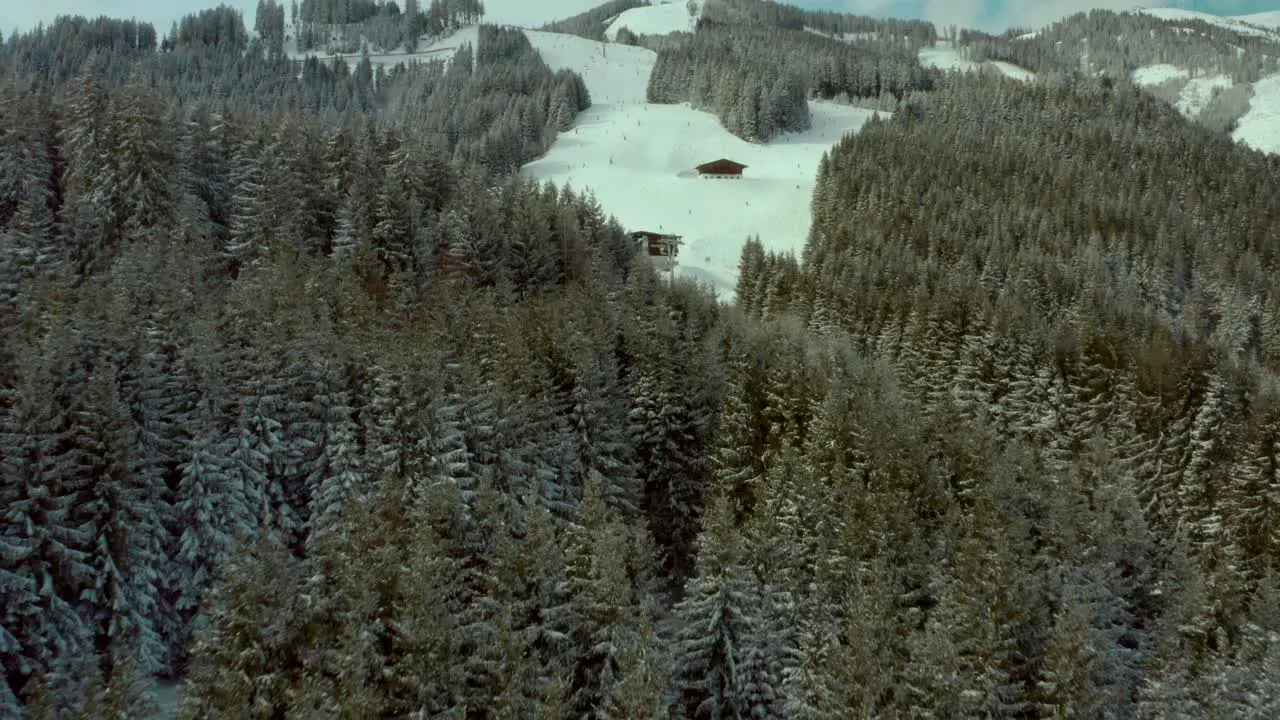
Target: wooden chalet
(658,244)
(721,169)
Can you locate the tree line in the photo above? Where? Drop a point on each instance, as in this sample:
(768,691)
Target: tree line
(916,33)
(592,23)
(757,80)
(1102,41)
(346,27)
(1075,286)
(144,439)
(315,405)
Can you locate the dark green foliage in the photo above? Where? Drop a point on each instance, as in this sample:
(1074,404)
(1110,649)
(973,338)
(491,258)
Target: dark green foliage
(757,80)
(308,399)
(1084,366)
(857,28)
(221,26)
(1119,43)
(202,304)
(269,25)
(592,23)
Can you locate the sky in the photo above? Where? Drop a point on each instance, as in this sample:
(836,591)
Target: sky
(984,14)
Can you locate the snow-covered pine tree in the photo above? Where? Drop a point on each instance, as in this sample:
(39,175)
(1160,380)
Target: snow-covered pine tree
(598,416)
(43,566)
(28,248)
(340,475)
(722,639)
(143,183)
(248,224)
(601,618)
(247,657)
(125,511)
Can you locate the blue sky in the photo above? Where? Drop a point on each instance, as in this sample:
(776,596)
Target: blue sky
(986,14)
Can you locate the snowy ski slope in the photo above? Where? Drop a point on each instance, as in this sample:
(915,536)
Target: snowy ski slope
(946,57)
(1242,25)
(637,159)
(660,18)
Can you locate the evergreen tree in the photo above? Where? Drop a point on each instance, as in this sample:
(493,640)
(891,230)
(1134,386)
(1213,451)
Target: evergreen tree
(45,566)
(721,637)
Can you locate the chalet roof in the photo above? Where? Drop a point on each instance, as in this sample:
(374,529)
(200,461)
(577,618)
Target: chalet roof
(723,165)
(650,234)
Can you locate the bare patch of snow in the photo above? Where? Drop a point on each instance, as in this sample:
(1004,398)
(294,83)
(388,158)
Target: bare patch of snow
(1270,19)
(1157,74)
(1235,24)
(1260,126)
(657,19)
(945,57)
(1198,92)
(1013,71)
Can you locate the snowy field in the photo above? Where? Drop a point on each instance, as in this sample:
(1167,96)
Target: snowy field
(637,159)
(1194,96)
(1156,74)
(1241,25)
(1263,19)
(1260,127)
(945,57)
(614,74)
(1011,70)
(656,19)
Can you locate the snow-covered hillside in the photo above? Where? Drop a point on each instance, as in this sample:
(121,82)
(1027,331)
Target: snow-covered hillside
(659,18)
(637,159)
(1260,126)
(614,74)
(1157,74)
(1240,25)
(1196,92)
(1269,19)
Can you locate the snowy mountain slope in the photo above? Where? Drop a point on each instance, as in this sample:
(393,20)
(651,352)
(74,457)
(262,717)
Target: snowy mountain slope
(660,18)
(637,159)
(1239,25)
(1196,95)
(614,74)
(530,13)
(1260,126)
(945,57)
(1156,74)
(1269,19)
(1011,70)
(1196,92)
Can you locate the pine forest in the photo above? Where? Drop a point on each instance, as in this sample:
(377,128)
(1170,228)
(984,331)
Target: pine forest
(311,406)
